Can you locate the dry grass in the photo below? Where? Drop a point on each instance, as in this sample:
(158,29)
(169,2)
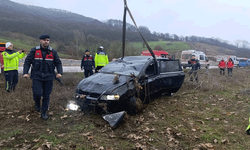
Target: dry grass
(214,110)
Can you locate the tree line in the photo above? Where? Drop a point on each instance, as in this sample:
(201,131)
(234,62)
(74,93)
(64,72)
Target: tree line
(67,29)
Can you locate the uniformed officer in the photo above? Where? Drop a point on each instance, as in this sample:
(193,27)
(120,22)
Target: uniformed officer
(11,63)
(101,59)
(43,59)
(87,64)
(195,66)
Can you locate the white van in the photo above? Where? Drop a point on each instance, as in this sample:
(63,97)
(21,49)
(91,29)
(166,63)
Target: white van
(201,56)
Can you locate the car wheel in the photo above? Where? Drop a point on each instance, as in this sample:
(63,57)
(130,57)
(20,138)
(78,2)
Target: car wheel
(135,105)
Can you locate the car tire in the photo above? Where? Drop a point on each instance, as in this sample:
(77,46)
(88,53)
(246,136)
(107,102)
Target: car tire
(135,105)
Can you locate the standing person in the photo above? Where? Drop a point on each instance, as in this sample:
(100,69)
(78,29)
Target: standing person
(88,64)
(230,66)
(195,66)
(101,59)
(11,63)
(222,66)
(43,59)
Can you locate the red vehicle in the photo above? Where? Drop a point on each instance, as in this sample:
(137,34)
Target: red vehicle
(2,48)
(157,53)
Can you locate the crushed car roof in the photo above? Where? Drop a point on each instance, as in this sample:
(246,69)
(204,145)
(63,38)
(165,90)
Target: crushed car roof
(127,66)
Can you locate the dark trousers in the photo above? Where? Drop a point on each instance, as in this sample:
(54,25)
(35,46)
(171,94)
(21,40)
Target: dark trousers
(193,73)
(230,71)
(88,73)
(98,68)
(11,78)
(222,71)
(42,88)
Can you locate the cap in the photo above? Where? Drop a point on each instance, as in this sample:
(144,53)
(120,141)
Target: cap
(101,47)
(8,44)
(44,36)
(87,50)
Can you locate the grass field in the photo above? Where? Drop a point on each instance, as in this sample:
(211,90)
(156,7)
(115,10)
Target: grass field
(25,44)
(210,114)
(166,45)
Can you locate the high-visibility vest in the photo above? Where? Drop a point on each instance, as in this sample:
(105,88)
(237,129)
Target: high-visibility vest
(101,59)
(11,61)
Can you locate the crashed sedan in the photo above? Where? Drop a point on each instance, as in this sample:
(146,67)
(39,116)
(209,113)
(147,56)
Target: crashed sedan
(128,83)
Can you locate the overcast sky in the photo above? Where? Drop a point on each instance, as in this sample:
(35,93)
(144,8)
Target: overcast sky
(225,19)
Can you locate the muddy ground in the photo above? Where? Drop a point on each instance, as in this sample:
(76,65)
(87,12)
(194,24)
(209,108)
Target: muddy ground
(210,114)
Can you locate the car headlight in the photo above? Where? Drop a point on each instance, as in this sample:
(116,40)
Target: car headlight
(72,105)
(110,97)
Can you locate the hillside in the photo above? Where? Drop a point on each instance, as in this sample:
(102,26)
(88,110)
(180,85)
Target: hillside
(62,25)
(72,33)
(211,50)
(176,47)
(166,45)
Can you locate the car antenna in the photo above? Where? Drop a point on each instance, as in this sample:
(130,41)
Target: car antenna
(126,9)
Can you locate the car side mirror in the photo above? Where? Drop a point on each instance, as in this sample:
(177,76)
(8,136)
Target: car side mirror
(145,77)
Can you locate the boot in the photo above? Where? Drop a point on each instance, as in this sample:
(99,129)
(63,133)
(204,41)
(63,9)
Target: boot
(8,86)
(44,115)
(37,106)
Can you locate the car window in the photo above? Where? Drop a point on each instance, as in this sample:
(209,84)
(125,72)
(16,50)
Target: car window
(169,66)
(151,70)
(202,57)
(163,55)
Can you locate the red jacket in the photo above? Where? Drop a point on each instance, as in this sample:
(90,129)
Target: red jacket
(222,64)
(230,64)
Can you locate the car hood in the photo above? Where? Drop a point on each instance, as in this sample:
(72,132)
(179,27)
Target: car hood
(101,82)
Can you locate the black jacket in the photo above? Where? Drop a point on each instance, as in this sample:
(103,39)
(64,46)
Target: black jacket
(9,51)
(195,64)
(88,62)
(42,69)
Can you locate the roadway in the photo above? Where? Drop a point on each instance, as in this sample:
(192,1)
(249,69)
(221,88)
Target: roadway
(65,69)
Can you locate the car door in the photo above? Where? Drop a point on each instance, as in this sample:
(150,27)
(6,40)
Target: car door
(152,75)
(171,75)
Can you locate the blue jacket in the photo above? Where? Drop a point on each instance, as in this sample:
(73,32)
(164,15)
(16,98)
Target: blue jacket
(43,62)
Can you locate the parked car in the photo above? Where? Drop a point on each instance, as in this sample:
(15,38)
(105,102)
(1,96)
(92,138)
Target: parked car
(127,83)
(243,62)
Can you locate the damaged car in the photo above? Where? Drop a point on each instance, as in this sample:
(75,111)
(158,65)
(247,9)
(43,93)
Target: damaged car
(128,83)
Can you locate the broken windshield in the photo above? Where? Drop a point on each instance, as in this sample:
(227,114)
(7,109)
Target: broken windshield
(123,68)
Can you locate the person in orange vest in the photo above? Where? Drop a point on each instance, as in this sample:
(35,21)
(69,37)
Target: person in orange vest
(222,66)
(230,66)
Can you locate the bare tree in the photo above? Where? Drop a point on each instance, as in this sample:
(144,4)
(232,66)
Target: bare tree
(237,44)
(245,44)
(79,39)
